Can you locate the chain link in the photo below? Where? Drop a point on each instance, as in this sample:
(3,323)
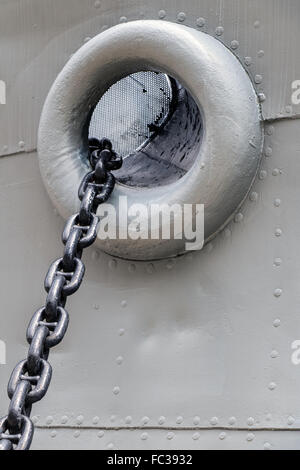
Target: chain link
(31,377)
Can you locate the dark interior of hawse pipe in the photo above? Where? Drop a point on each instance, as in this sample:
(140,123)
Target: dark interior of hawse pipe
(154,123)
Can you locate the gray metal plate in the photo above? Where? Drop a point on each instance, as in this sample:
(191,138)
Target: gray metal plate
(196,439)
(203,340)
(38,37)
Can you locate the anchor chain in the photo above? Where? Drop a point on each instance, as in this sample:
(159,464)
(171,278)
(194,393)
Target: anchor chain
(31,377)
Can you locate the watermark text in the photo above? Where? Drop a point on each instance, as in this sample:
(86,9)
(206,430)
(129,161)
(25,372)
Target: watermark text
(154,221)
(2,352)
(2,92)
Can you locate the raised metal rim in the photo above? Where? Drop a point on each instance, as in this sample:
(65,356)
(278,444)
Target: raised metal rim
(232,136)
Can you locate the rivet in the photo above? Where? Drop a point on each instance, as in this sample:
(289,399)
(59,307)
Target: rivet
(238,218)
(181,16)
(222,436)
(227,233)
(79,419)
(162,14)
(250,421)
(96,420)
(179,419)
(96,306)
(195,436)
(290,420)
(97,4)
(272,386)
(110,445)
(170,264)
(170,435)
(123,19)
(270,130)
(256,24)
(34,419)
(21,144)
(49,420)
(76,434)
(214,421)
(248,60)
(100,434)
(200,22)
(274,354)
(277,292)
(64,419)
(161,420)
(123,304)
(268,152)
(288,109)
(261,53)
(116,390)
(234,44)
(144,436)
(262,174)
(275,172)
(253,196)
(87,39)
(269,417)
(95,255)
(53,434)
(250,437)
(150,268)
(196,420)
(145,420)
(209,247)
(119,360)
(277,202)
(112,264)
(113,418)
(278,232)
(267,446)
(258,79)
(232,421)
(128,420)
(261,97)
(5,148)
(121,331)
(219,30)
(276,323)
(132,268)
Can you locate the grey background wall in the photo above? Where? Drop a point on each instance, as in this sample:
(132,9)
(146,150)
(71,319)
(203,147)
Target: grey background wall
(193,352)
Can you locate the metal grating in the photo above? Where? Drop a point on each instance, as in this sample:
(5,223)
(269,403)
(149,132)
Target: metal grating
(131,110)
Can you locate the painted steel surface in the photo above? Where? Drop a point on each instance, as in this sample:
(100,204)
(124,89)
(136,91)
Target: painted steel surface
(193,352)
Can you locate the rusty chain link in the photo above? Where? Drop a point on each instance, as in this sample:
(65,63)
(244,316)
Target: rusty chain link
(31,378)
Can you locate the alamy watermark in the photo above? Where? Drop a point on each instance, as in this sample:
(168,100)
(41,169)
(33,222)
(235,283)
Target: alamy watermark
(152,221)
(295,357)
(2,352)
(2,92)
(296,92)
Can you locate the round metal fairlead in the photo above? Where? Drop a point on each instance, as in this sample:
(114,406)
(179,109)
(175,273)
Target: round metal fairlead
(225,155)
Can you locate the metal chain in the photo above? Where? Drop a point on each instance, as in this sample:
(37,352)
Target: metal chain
(30,379)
